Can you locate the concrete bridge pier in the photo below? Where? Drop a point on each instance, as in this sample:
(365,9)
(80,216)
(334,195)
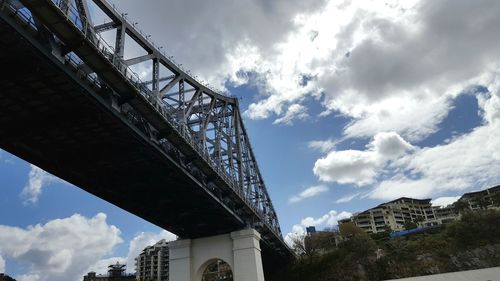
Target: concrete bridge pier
(189,258)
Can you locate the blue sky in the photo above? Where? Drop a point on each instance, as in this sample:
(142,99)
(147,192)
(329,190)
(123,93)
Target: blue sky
(401,99)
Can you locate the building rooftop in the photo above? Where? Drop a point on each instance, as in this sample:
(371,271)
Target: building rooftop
(479,192)
(424,201)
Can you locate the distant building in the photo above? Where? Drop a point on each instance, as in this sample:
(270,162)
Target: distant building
(445,214)
(484,199)
(310,230)
(152,263)
(116,272)
(393,215)
(322,241)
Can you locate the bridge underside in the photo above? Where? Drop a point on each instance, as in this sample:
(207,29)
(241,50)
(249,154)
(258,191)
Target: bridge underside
(53,122)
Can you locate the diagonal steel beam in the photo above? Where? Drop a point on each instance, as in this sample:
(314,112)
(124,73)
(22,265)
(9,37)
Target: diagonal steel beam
(162,79)
(178,93)
(105,27)
(139,59)
(83,10)
(172,83)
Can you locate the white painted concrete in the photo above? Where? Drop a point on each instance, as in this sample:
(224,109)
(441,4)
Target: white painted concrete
(246,256)
(487,274)
(240,249)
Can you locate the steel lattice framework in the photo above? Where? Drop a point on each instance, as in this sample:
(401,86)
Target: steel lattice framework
(199,127)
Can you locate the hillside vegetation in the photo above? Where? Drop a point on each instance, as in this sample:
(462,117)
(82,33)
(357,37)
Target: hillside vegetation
(471,243)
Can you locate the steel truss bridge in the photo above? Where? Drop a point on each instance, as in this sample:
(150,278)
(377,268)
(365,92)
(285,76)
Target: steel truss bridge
(168,149)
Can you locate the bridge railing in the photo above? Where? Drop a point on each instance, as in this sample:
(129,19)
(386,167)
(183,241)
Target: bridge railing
(23,13)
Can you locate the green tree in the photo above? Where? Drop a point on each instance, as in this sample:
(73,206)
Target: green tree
(483,202)
(410,225)
(460,206)
(6,278)
(381,236)
(324,240)
(298,244)
(495,197)
(358,249)
(349,229)
(475,229)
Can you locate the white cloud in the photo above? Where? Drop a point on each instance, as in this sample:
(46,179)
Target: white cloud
(348,166)
(297,232)
(228,29)
(2,265)
(468,161)
(361,167)
(395,168)
(308,193)
(329,219)
(445,201)
(323,146)
(403,69)
(38,178)
(396,114)
(403,187)
(389,145)
(61,249)
(28,277)
(294,112)
(348,198)
(390,66)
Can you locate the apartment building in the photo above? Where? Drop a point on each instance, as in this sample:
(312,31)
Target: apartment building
(395,214)
(445,214)
(484,199)
(152,264)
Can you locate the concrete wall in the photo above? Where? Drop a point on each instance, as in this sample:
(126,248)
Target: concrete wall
(487,274)
(240,249)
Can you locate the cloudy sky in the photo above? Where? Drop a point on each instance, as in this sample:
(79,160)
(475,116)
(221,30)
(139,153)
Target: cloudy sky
(347,104)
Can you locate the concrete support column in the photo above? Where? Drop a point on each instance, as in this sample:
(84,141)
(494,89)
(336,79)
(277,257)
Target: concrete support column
(240,250)
(180,260)
(247,257)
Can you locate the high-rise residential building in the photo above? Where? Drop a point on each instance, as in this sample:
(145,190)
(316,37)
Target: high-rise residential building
(152,263)
(393,215)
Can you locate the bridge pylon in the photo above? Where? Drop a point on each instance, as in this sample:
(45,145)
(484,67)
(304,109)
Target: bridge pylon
(240,250)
